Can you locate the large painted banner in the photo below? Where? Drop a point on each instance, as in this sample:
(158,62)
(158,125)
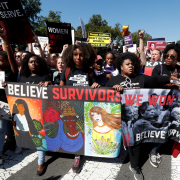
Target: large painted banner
(150,115)
(73,120)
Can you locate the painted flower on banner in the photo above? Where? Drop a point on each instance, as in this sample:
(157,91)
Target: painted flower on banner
(51,115)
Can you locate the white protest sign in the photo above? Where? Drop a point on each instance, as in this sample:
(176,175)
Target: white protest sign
(72,35)
(42,40)
(131,49)
(2,78)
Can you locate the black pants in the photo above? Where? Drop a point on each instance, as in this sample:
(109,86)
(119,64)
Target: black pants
(135,155)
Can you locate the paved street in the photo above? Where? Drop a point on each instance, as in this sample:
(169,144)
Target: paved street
(23,167)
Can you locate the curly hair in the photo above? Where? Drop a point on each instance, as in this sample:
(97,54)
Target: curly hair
(43,69)
(176,48)
(135,60)
(4,55)
(88,53)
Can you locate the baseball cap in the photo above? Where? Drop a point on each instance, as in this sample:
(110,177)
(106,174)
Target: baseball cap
(98,58)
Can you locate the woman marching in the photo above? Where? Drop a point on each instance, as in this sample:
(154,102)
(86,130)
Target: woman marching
(78,59)
(129,66)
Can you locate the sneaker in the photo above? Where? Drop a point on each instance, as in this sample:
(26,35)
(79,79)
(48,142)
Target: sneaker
(76,165)
(153,159)
(18,150)
(137,173)
(159,158)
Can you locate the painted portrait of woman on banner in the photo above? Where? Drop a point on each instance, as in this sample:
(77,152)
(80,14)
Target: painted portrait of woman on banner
(104,129)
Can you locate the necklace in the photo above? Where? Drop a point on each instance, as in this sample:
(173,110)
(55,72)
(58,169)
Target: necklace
(73,135)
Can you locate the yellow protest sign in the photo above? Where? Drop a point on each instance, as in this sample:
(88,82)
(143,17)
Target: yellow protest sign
(99,39)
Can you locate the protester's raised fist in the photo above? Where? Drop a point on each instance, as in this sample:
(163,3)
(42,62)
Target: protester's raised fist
(141,34)
(49,48)
(65,47)
(44,46)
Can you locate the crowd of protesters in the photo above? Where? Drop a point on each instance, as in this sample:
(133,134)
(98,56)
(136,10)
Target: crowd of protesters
(82,59)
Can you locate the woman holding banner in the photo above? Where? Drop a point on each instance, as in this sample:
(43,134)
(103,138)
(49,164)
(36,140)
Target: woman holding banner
(78,59)
(129,66)
(172,57)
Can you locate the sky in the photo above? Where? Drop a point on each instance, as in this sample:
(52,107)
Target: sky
(159,18)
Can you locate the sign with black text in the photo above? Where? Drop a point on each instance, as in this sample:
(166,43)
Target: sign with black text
(59,34)
(15,23)
(99,39)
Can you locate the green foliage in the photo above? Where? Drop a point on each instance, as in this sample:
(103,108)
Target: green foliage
(116,109)
(37,124)
(87,108)
(178,42)
(78,106)
(97,24)
(41,28)
(32,8)
(37,141)
(52,130)
(135,38)
(103,147)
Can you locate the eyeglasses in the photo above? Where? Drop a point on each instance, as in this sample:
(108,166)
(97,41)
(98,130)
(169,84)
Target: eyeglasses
(17,56)
(171,56)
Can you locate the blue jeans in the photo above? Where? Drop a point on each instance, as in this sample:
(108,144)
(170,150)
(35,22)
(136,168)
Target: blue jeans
(41,157)
(3,128)
(156,146)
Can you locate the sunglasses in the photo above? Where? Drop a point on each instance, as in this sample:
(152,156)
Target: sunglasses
(171,56)
(17,56)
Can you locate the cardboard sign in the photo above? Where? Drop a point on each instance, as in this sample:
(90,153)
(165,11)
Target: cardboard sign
(59,34)
(75,120)
(128,41)
(98,39)
(11,10)
(15,23)
(150,115)
(83,29)
(2,78)
(42,40)
(150,66)
(170,42)
(80,40)
(158,43)
(131,49)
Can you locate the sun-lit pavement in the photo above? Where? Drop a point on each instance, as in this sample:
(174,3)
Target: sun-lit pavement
(23,166)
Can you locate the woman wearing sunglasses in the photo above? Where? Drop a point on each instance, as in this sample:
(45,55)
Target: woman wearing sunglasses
(172,57)
(129,66)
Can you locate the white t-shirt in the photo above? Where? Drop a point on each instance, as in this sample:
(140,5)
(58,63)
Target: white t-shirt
(21,122)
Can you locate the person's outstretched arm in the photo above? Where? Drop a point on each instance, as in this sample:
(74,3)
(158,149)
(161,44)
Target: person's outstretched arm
(141,48)
(8,49)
